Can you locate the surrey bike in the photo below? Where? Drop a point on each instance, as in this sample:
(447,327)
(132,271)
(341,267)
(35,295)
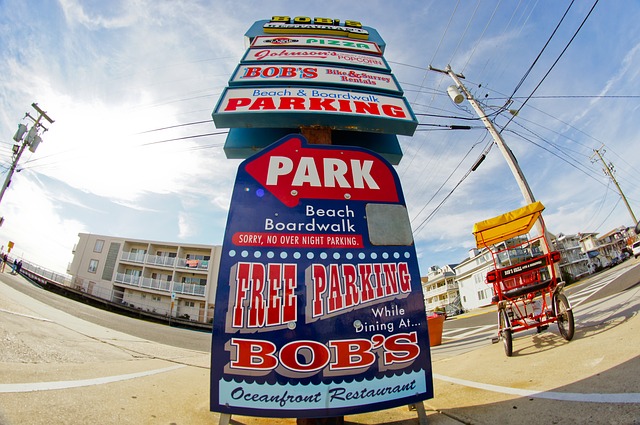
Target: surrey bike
(526,285)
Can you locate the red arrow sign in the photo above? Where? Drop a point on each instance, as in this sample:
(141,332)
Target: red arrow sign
(291,170)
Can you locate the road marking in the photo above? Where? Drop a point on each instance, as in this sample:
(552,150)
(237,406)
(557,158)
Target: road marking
(24,315)
(551,395)
(475,330)
(61,385)
(580,296)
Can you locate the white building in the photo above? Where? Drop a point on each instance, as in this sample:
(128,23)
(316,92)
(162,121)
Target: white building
(440,290)
(471,277)
(163,278)
(574,263)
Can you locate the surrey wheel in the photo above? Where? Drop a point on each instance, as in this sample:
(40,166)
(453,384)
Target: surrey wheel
(564,317)
(505,332)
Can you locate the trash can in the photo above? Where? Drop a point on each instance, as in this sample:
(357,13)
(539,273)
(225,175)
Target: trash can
(435,323)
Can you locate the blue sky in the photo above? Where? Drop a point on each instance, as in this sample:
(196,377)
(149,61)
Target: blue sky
(108,72)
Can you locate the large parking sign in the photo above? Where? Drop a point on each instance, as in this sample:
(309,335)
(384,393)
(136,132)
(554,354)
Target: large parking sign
(319,307)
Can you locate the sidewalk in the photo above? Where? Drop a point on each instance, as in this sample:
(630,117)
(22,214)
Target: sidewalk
(56,368)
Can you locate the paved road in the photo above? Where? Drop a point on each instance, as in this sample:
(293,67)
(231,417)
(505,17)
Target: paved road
(57,367)
(163,334)
(476,329)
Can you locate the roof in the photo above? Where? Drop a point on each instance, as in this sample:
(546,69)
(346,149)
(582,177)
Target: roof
(508,225)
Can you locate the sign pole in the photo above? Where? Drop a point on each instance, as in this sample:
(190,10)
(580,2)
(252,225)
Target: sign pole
(318,135)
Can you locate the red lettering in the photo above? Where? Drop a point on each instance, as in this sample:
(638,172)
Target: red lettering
(254,354)
(296,103)
(242,286)
(400,348)
(238,102)
(345,105)
(351,293)
(393,111)
(335,293)
(275,303)
(287,72)
(366,107)
(264,103)
(310,73)
(317,356)
(390,279)
(256,308)
(351,354)
(271,71)
(404,277)
(377,272)
(252,72)
(318,104)
(365,277)
(319,278)
(290,310)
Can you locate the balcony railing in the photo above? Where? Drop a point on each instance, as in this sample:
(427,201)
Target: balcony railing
(174,262)
(134,257)
(158,285)
(442,289)
(127,279)
(161,285)
(192,264)
(188,288)
(161,261)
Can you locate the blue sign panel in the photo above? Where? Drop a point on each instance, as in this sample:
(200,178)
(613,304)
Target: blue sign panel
(319,307)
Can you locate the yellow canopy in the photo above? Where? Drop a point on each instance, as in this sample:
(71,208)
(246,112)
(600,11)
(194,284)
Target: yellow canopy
(506,226)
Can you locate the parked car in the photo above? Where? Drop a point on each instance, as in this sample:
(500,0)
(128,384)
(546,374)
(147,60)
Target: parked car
(635,248)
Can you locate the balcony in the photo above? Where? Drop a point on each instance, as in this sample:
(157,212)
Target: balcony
(161,260)
(188,288)
(192,264)
(442,289)
(160,285)
(133,257)
(127,279)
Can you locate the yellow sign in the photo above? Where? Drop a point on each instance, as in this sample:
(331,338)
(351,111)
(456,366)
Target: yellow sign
(9,246)
(323,26)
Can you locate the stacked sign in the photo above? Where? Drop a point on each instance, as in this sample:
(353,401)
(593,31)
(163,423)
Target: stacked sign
(287,81)
(319,305)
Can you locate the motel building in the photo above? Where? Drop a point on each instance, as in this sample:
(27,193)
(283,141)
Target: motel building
(156,278)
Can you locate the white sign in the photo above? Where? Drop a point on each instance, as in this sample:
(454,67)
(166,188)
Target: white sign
(361,46)
(315,55)
(289,107)
(327,75)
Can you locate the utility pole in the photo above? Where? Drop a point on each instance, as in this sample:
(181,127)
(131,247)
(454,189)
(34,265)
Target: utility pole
(497,137)
(32,140)
(608,170)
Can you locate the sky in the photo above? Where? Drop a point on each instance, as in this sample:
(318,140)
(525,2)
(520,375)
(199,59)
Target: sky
(133,152)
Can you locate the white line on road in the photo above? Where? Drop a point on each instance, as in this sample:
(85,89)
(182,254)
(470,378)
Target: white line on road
(24,315)
(61,385)
(474,331)
(551,395)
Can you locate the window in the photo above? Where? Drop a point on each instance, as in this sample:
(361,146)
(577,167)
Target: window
(98,246)
(156,298)
(93,266)
(189,304)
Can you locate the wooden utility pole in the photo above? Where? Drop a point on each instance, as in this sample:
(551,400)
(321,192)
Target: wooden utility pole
(502,145)
(608,170)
